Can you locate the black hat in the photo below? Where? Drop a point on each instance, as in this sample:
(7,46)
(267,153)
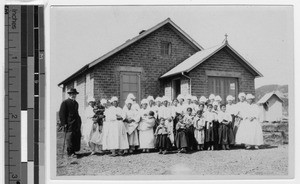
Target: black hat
(73,90)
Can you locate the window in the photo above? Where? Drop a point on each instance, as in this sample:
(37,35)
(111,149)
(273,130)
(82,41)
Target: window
(165,48)
(130,83)
(223,86)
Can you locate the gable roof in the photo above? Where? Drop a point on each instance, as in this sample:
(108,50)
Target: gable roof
(142,34)
(267,96)
(201,56)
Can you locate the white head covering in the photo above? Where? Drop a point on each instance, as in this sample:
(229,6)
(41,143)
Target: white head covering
(150,98)
(144,101)
(194,98)
(203,99)
(180,96)
(218,98)
(127,101)
(90,99)
(103,101)
(229,97)
(164,98)
(131,96)
(242,94)
(188,97)
(211,97)
(250,96)
(158,99)
(215,103)
(113,99)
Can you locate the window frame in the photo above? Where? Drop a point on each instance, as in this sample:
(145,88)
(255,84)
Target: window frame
(166,48)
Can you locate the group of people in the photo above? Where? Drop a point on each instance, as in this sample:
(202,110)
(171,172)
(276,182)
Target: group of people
(185,124)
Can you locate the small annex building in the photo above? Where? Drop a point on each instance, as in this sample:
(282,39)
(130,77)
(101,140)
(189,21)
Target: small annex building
(163,60)
(271,107)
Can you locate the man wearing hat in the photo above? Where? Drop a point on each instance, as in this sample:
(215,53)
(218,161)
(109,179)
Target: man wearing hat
(71,120)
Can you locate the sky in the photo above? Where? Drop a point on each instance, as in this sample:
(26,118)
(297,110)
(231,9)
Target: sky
(261,34)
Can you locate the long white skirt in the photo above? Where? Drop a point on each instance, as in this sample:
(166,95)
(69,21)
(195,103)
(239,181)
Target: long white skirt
(96,136)
(114,135)
(133,138)
(146,138)
(249,132)
(86,130)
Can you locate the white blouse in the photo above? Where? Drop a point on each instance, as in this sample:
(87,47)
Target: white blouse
(112,112)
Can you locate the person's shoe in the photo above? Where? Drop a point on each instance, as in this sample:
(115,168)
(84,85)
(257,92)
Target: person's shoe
(223,147)
(121,153)
(160,152)
(212,148)
(183,150)
(164,152)
(93,153)
(130,151)
(73,155)
(256,147)
(147,150)
(248,147)
(101,152)
(144,150)
(227,147)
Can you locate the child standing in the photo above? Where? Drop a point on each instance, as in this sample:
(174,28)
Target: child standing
(210,118)
(188,121)
(199,124)
(96,135)
(162,134)
(226,136)
(181,140)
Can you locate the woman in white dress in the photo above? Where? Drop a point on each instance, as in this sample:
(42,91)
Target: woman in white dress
(240,109)
(146,134)
(168,114)
(132,119)
(250,131)
(114,134)
(88,123)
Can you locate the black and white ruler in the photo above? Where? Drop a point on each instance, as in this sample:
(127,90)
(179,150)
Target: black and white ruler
(24,94)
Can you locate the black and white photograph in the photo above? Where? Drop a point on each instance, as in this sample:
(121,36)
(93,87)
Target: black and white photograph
(172,91)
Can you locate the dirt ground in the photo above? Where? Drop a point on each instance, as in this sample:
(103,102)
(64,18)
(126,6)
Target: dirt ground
(269,160)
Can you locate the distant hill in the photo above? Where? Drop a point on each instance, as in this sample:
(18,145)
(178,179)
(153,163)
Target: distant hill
(283,89)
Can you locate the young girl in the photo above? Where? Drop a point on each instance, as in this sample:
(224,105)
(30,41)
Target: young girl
(96,135)
(167,113)
(226,136)
(181,137)
(210,118)
(162,134)
(188,121)
(199,124)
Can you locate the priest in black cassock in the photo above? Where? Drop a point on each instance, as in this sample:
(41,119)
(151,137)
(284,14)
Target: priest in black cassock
(71,121)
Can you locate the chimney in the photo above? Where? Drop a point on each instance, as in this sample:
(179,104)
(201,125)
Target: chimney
(142,31)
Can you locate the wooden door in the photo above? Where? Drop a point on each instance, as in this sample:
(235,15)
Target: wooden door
(129,83)
(223,86)
(176,85)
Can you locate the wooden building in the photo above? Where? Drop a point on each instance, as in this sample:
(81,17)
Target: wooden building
(163,60)
(271,107)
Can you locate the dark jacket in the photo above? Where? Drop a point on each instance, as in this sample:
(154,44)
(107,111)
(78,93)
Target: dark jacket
(69,116)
